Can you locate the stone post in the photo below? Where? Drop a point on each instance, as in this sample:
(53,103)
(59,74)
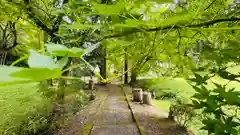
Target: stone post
(137,94)
(147,98)
(91,84)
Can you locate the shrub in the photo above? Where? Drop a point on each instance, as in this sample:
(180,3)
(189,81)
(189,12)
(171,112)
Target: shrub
(145,84)
(38,122)
(77,101)
(181,113)
(166,95)
(17,103)
(152,86)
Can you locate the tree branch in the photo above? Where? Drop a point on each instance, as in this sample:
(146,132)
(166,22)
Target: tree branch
(40,24)
(210,4)
(45,5)
(179,41)
(147,56)
(203,24)
(206,37)
(179,53)
(37,21)
(38,7)
(58,21)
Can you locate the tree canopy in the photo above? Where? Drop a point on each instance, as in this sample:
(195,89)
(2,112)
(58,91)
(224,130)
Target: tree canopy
(185,35)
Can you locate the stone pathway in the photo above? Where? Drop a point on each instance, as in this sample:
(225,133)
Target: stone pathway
(109,114)
(114,113)
(115,117)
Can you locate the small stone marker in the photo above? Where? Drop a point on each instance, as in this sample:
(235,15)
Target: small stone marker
(153,93)
(90,85)
(92,95)
(137,94)
(147,98)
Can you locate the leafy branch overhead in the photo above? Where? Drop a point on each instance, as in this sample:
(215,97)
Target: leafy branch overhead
(175,26)
(40,65)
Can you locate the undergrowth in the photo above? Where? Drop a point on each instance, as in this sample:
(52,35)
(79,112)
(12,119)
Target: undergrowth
(29,109)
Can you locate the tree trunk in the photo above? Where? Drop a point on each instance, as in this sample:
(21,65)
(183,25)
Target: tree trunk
(67,73)
(3,58)
(103,65)
(126,69)
(45,39)
(61,100)
(122,76)
(103,70)
(133,78)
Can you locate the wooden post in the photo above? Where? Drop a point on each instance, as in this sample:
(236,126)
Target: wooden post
(90,85)
(170,115)
(125,68)
(147,98)
(137,94)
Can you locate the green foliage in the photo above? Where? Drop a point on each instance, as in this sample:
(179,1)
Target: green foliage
(17,103)
(182,113)
(41,66)
(103,9)
(213,103)
(28,108)
(37,60)
(162,105)
(31,73)
(142,31)
(166,95)
(61,50)
(145,84)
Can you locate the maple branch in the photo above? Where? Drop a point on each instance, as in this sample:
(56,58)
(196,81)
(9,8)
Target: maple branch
(40,24)
(203,24)
(210,4)
(37,21)
(57,23)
